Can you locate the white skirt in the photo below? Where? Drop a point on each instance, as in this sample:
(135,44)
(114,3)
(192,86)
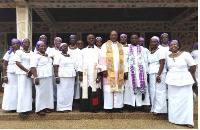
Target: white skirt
(10,93)
(158,94)
(77,87)
(196,74)
(65,93)
(44,94)
(135,100)
(54,88)
(180,99)
(24,103)
(113,100)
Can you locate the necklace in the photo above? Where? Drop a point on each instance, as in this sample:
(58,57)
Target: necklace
(25,51)
(152,51)
(67,55)
(175,53)
(74,47)
(41,54)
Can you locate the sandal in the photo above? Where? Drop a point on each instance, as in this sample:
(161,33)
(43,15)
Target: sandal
(65,111)
(47,110)
(42,113)
(190,126)
(23,114)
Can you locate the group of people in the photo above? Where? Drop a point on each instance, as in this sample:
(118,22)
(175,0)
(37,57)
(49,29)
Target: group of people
(102,76)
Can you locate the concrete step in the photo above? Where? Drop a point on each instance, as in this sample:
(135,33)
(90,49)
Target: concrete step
(76,115)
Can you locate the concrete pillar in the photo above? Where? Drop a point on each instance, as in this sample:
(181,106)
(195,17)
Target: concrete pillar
(24,22)
(52,36)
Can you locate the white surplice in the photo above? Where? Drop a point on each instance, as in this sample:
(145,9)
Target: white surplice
(129,97)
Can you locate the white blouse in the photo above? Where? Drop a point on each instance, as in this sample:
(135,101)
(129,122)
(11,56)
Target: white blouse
(195,55)
(24,59)
(153,60)
(43,65)
(67,65)
(165,49)
(178,73)
(53,52)
(11,68)
(77,54)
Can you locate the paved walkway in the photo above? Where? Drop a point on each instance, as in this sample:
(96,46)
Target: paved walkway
(100,120)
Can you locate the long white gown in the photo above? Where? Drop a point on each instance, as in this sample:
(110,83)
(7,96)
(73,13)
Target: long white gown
(44,90)
(24,103)
(52,53)
(167,53)
(11,88)
(77,54)
(129,97)
(65,89)
(195,56)
(111,99)
(157,90)
(180,93)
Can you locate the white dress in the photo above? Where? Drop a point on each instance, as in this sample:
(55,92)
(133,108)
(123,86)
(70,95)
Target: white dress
(195,56)
(157,90)
(65,89)
(167,53)
(76,53)
(44,90)
(129,97)
(11,88)
(180,93)
(24,83)
(111,99)
(52,54)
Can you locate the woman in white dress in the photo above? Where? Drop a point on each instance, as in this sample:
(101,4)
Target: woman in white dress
(157,75)
(64,69)
(22,58)
(10,78)
(54,52)
(74,51)
(194,54)
(180,81)
(41,68)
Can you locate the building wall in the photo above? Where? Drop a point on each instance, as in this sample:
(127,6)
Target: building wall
(186,34)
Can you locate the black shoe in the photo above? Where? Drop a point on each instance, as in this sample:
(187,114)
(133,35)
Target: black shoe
(143,109)
(12,111)
(120,110)
(108,111)
(131,109)
(94,111)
